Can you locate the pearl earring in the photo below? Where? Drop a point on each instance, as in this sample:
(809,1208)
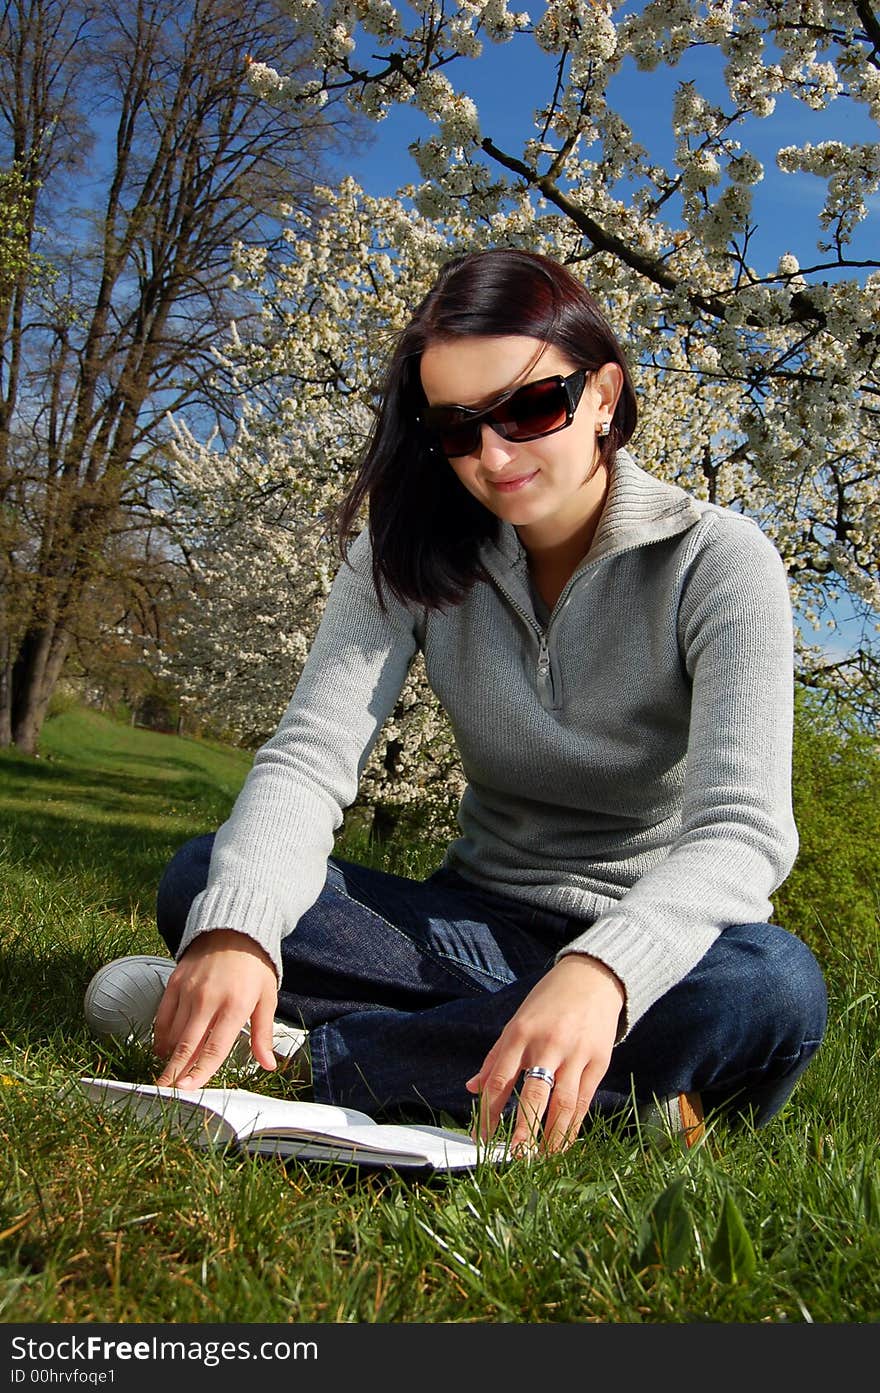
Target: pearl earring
(603,428)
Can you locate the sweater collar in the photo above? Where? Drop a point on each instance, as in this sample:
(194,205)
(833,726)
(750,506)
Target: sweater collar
(639,509)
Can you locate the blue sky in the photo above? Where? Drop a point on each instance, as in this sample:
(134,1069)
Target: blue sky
(511,79)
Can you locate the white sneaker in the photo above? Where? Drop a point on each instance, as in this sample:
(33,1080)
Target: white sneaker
(123,997)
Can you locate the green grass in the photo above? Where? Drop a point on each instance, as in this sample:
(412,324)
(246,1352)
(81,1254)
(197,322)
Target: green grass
(110,1221)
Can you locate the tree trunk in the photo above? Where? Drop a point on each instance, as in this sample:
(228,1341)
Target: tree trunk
(383,824)
(34,677)
(5,694)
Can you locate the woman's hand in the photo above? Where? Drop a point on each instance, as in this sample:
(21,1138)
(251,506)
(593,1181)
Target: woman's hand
(223,980)
(567,1024)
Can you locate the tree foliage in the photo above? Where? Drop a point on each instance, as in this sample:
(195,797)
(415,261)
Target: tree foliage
(836,877)
(667,233)
(255,515)
(17,197)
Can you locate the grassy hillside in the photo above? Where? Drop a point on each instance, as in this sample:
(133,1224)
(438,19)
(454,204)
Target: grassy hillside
(108,1223)
(88,827)
(108,804)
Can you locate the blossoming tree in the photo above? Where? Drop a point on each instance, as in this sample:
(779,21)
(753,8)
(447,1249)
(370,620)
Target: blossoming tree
(759,386)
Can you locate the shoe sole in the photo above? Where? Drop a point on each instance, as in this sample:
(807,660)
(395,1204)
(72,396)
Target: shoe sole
(126,1009)
(131,1018)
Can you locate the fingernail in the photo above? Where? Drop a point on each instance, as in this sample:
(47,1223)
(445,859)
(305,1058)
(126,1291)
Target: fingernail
(524,1150)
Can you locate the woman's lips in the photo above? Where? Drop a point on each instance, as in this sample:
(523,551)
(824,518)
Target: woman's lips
(511,485)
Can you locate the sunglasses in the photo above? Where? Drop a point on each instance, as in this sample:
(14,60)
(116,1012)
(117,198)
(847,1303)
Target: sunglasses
(531,412)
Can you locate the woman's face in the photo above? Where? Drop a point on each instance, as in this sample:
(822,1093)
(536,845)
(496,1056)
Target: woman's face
(549,488)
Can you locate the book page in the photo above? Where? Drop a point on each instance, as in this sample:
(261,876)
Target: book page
(289,1127)
(494,1150)
(385,1138)
(353,1129)
(249,1112)
(181,1112)
(302,1149)
(238,1111)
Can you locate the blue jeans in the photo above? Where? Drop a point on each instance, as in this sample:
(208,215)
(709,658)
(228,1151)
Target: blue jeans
(405,986)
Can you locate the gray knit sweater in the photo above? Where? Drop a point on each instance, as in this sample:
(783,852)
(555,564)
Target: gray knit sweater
(628,764)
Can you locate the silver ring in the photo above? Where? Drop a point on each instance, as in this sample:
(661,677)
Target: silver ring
(546,1075)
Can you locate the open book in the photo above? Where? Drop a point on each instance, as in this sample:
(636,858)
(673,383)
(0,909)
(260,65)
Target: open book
(285,1127)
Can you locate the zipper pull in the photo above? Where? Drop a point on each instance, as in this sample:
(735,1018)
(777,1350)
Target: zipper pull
(543,657)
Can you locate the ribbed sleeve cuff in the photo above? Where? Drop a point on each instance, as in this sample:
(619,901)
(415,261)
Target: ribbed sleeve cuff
(240,908)
(637,959)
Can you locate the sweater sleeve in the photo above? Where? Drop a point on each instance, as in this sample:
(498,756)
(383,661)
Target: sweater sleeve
(737,840)
(269,861)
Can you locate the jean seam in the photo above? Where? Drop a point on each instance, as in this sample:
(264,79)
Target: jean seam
(318,1054)
(790,1061)
(445,960)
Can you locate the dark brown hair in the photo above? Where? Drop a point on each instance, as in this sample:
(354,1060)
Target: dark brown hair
(426,529)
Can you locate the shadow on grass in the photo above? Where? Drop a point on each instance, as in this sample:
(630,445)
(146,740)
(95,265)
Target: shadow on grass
(31,778)
(112,865)
(42,987)
(109,830)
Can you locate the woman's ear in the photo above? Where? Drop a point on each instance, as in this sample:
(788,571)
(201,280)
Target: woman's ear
(608,383)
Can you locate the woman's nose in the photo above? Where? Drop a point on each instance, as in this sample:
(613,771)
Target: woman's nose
(495,451)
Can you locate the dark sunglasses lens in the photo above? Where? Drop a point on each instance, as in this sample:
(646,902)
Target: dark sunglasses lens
(536,409)
(460,438)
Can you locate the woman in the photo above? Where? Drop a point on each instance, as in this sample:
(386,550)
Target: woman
(615,658)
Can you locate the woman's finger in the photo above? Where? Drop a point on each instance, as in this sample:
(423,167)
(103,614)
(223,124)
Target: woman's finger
(493,1085)
(211,1051)
(534,1099)
(203,1042)
(262,1030)
(568,1105)
(191,1039)
(163,1033)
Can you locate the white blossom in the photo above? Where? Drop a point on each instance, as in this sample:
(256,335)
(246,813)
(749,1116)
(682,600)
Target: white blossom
(768,371)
